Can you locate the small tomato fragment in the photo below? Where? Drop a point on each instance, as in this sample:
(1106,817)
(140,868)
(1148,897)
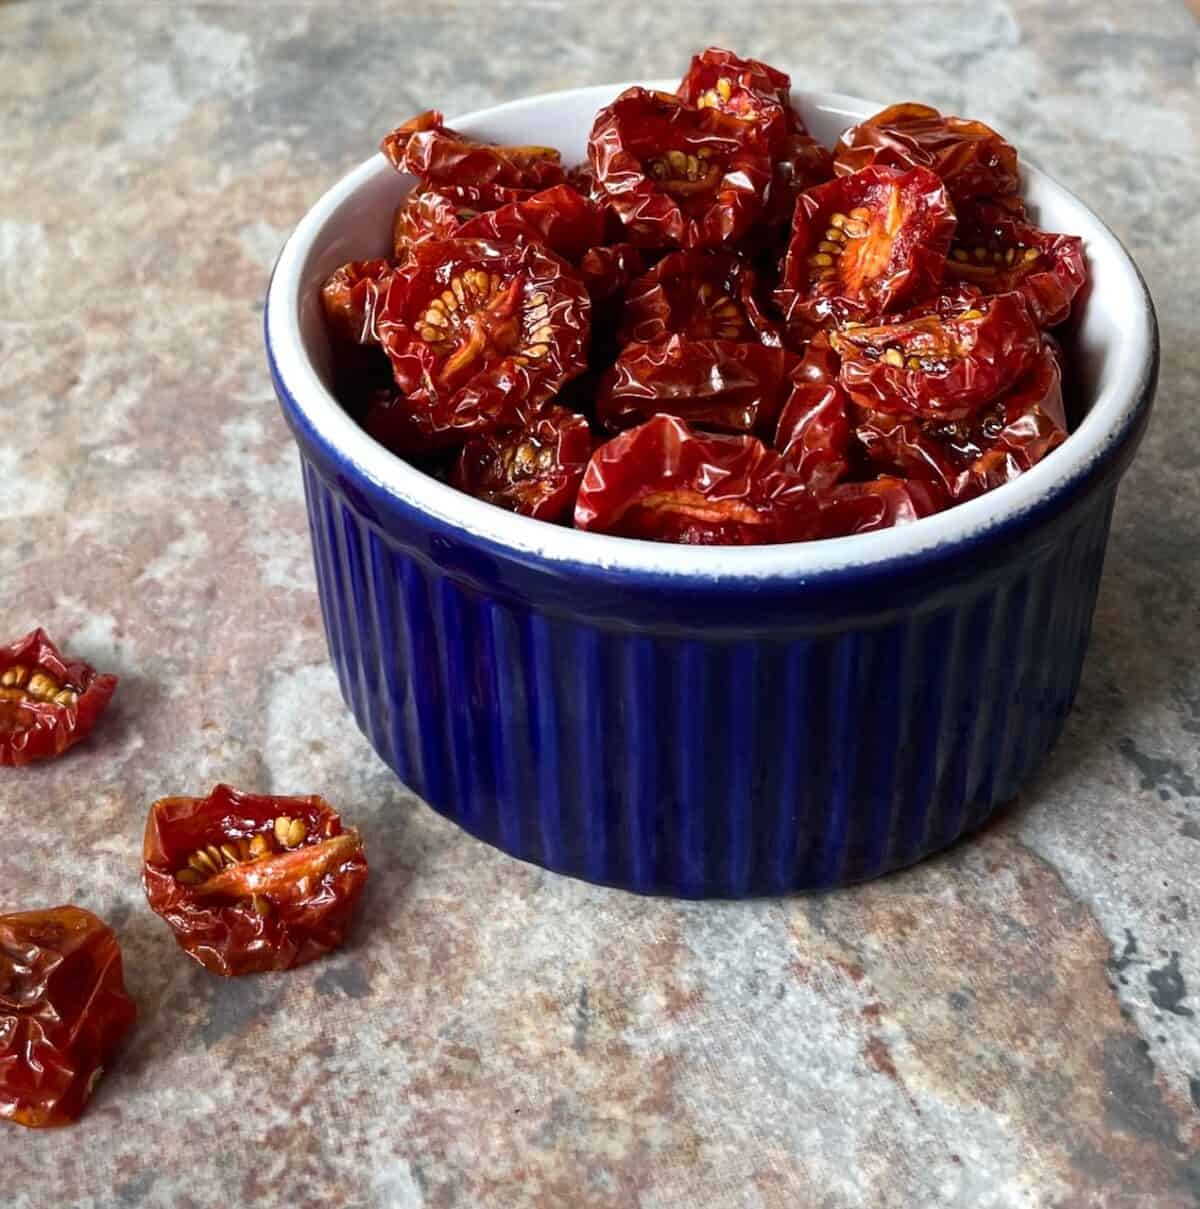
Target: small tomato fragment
(480,335)
(814,432)
(534,471)
(997,250)
(745,89)
(351,296)
(702,295)
(864,245)
(607,271)
(560,218)
(879,503)
(968,456)
(440,211)
(425,147)
(735,386)
(250,883)
(64,1012)
(941,368)
(676,175)
(971,158)
(46,703)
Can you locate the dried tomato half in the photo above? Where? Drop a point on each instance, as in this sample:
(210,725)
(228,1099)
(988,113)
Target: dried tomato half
(677,175)
(702,295)
(664,482)
(250,883)
(742,88)
(351,296)
(940,368)
(480,334)
(534,471)
(427,148)
(971,158)
(864,245)
(440,211)
(968,456)
(879,503)
(46,703)
(64,1012)
(997,250)
(560,218)
(734,386)
(814,433)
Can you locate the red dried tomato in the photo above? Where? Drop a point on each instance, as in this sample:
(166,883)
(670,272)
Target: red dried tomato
(702,295)
(742,88)
(607,271)
(46,703)
(430,150)
(969,456)
(560,218)
(864,245)
(814,432)
(250,883)
(940,368)
(480,334)
(971,158)
(439,212)
(997,250)
(676,175)
(879,503)
(725,384)
(534,471)
(351,296)
(64,1012)
(664,482)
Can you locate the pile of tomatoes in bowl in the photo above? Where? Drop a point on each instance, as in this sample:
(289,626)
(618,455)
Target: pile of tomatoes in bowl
(716,330)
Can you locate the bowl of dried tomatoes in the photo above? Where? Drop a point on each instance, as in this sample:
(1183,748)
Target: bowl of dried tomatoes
(709,483)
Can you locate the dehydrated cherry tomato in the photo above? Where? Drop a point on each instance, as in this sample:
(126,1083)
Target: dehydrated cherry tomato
(250,883)
(943,368)
(702,295)
(63,1012)
(731,385)
(814,432)
(439,212)
(46,704)
(972,159)
(351,296)
(480,334)
(534,471)
(966,457)
(879,503)
(742,88)
(562,219)
(664,482)
(427,148)
(677,175)
(997,250)
(864,245)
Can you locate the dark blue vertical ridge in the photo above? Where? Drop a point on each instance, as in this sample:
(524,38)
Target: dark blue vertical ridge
(545,711)
(515,778)
(590,719)
(314,492)
(330,577)
(376,721)
(742,698)
(691,698)
(347,634)
(845,723)
(638,761)
(793,728)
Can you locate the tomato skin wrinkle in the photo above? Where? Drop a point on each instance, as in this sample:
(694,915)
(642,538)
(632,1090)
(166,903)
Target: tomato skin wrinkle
(47,703)
(64,1012)
(251,882)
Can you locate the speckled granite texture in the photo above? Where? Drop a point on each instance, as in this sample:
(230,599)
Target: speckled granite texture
(1014,1024)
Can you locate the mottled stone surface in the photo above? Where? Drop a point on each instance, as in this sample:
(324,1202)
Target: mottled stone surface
(1014,1025)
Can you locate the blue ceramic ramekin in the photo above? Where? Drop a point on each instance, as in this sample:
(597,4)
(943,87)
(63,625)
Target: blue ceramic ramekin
(705,722)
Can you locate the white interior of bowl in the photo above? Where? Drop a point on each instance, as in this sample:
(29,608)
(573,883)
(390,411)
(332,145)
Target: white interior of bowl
(352,221)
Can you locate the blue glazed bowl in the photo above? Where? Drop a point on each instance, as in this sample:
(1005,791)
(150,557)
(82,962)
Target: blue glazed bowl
(705,722)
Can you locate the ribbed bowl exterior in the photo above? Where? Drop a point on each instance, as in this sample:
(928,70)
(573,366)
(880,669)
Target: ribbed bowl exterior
(669,755)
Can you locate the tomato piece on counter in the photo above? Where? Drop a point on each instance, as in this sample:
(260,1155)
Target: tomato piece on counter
(480,334)
(995,444)
(428,149)
(675,175)
(971,158)
(534,471)
(730,385)
(997,250)
(47,703)
(940,368)
(64,1012)
(249,882)
(864,245)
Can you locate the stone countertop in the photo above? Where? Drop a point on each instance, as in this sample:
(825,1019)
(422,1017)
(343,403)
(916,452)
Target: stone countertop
(1013,1024)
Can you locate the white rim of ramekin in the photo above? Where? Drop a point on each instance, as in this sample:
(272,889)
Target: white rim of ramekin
(1106,419)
